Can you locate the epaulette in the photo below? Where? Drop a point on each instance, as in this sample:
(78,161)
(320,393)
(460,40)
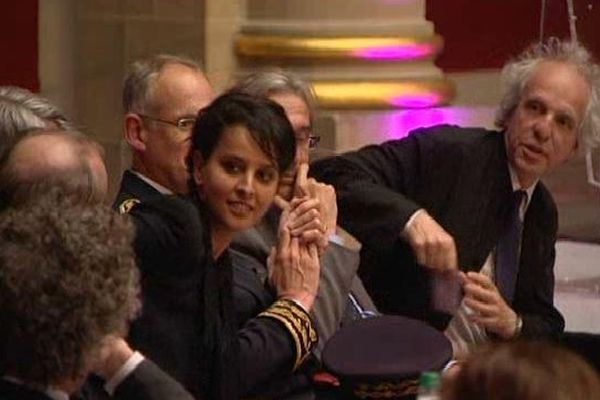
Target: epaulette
(127,205)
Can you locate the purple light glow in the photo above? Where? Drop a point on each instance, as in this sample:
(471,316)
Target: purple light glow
(415,100)
(394,52)
(400,123)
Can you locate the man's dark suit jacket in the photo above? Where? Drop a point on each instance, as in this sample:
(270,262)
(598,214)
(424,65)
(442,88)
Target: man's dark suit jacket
(460,176)
(146,382)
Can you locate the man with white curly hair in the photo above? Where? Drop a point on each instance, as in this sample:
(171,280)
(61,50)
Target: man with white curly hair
(468,203)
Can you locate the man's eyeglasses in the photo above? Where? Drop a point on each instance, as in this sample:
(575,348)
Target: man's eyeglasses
(313,141)
(304,136)
(184,124)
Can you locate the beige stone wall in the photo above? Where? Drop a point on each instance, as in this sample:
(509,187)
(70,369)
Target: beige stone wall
(96,41)
(223,19)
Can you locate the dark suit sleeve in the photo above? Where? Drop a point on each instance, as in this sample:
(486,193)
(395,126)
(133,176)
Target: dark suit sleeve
(148,382)
(270,345)
(273,345)
(267,354)
(379,179)
(541,320)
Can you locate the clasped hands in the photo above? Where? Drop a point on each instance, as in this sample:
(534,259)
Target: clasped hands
(307,220)
(435,249)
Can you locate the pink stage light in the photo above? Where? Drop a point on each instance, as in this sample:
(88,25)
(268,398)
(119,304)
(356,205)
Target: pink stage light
(416,100)
(399,123)
(394,52)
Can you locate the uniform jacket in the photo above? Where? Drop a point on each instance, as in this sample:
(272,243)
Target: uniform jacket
(460,176)
(133,188)
(171,240)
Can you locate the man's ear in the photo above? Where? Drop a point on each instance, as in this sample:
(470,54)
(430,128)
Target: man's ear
(135,134)
(197,168)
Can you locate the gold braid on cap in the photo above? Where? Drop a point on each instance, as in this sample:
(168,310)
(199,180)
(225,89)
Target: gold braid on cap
(387,390)
(297,322)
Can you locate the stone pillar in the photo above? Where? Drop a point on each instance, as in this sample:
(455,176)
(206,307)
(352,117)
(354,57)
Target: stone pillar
(56,53)
(223,19)
(357,53)
(366,59)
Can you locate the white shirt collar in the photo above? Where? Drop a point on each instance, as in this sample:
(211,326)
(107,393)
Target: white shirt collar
(155,185)
(56,394)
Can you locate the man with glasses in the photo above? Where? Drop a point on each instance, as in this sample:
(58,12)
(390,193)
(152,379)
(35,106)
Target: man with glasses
(161,99)
(341,297)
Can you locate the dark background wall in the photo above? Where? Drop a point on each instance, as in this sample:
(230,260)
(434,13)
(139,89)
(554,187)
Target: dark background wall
(19,44)
(485,33)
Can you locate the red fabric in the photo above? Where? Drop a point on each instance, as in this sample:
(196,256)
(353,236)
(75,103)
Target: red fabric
(485,34)
(19,44)
(477,34)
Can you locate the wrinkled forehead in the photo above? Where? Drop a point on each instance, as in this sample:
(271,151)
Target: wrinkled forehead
(563,84)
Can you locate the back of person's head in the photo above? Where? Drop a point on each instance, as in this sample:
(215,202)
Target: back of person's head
(21,112)
(270,83)
(38,105)
(517,72)
(524,371)
(43,159)
(264,119)
(15,122)
(138,85)
(68,279)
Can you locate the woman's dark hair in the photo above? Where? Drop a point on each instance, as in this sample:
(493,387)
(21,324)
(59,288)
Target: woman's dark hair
(265,120)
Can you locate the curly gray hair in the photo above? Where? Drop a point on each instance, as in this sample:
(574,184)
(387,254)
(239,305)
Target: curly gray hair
(517,73)
(67,280)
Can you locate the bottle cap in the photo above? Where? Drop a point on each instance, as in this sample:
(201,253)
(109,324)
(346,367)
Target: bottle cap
(430,380)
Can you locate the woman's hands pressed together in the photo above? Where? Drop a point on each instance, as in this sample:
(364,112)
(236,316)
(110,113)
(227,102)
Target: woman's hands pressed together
(294,266)
(305,225)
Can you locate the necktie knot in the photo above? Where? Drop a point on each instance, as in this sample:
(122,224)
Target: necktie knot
(517,200)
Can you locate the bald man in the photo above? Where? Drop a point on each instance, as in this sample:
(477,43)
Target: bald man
(53,158)
(161,99)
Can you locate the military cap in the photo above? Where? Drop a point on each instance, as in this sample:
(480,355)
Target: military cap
(382,357)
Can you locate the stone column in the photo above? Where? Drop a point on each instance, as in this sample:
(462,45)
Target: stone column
(366,59)
(357,53)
